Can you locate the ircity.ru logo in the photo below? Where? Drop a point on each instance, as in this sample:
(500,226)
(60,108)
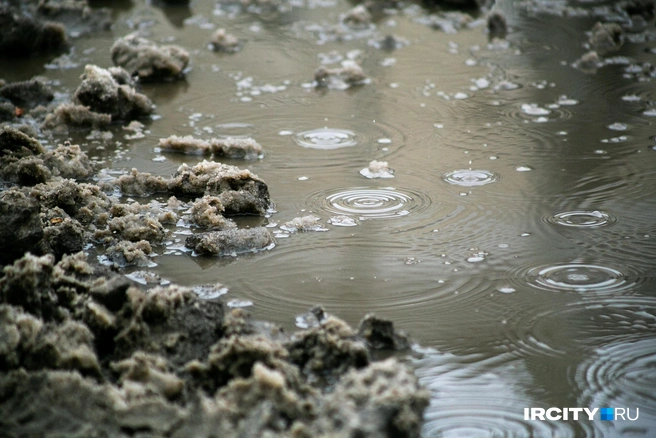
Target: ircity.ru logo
(555,414)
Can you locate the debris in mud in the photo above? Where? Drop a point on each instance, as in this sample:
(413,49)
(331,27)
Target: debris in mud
(377,169)
(340,78)
(231,242)
(102,91)
(147,60)
(304,224)
(222,41)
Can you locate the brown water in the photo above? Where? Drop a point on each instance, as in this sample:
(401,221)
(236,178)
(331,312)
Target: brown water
(517,239)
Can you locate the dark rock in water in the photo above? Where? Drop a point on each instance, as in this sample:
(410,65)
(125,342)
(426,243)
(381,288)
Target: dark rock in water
(380,334)
(497,26)
(149,61)
(606,38)
(102,93)
(27,94)
(22,35)
(231,242)
(21,229)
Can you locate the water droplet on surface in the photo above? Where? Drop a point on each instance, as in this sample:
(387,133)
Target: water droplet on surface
(470,178)
(523,168)
(582,219)
(326,138)
(578,277)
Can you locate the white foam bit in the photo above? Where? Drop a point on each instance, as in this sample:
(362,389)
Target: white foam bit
(343,221)
(377,169)
(532,109)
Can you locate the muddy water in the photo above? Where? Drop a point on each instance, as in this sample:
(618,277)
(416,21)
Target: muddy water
(516,241)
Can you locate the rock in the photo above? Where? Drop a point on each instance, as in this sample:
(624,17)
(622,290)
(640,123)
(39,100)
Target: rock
(102,93)
(147,60)
(231,242)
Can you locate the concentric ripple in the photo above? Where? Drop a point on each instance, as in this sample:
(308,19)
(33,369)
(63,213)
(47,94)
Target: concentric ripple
(470,178)
(578,277)
(582,219)
(372,203)
(622,373)
(326,138)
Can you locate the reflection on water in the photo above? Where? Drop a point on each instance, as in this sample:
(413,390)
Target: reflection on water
(531,280)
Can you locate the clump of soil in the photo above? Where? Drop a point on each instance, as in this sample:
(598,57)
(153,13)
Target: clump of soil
(147,60)
(92,352)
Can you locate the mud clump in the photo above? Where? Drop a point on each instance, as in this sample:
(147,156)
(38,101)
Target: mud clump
(21,230)
(240,148)
(377,169)
(606,38)
(240,191)
(304,224)
(102,91)
(207,212)
(231,242)
(23,35)
(223,41)
(118,359)
(340,78)
(147,60)
(497,26)
(73,115)
(27,94)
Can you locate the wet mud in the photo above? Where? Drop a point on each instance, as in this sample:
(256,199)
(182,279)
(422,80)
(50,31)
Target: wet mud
(92,345)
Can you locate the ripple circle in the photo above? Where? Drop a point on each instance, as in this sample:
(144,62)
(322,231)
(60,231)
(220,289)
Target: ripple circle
(470,178)
(372,203)
(578,277)
(582,219)
(326,138)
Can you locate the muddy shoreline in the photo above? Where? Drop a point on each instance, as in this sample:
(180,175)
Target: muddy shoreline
(86,351)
